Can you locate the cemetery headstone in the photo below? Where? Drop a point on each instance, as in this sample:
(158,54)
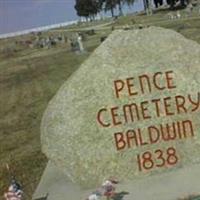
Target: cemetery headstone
(130,111)
(80,43)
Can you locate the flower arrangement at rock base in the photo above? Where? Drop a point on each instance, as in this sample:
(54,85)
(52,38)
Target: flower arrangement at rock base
(107,191)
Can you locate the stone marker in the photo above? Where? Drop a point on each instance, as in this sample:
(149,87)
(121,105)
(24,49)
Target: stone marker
(80,43)
(130,111)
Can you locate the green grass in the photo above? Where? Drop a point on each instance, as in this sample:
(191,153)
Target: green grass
(27,85)
(29,78)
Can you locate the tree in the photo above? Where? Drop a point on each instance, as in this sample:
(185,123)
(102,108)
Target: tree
(183,3)
(158,3)
(148,6)
(110,5)
(87,8)
(120,2)
(145,4)
(129,2)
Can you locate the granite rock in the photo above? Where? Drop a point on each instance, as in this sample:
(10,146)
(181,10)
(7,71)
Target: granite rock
(75,141)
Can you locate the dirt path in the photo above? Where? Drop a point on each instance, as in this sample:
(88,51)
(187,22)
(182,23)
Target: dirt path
(96,27)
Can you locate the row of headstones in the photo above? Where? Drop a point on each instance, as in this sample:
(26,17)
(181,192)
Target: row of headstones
(74,40)
(34,42)
(50,41)
(189,6)
(43,42)
(186,13)
(174,3)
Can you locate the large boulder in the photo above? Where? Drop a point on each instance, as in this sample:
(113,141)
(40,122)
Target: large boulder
(83,124)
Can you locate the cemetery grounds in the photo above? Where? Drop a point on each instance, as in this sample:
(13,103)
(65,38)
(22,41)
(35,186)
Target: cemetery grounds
(30,77)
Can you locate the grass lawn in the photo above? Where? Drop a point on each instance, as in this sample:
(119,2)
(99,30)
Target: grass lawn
(30,77)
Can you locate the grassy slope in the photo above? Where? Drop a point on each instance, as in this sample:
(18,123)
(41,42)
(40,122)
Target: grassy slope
(29,78)
(26,87)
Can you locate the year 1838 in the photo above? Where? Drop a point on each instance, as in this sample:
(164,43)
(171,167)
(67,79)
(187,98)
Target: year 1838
(157,159)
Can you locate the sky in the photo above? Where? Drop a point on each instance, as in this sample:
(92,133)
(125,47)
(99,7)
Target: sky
(17,15)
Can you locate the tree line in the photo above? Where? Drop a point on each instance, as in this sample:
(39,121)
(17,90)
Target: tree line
(90,8)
